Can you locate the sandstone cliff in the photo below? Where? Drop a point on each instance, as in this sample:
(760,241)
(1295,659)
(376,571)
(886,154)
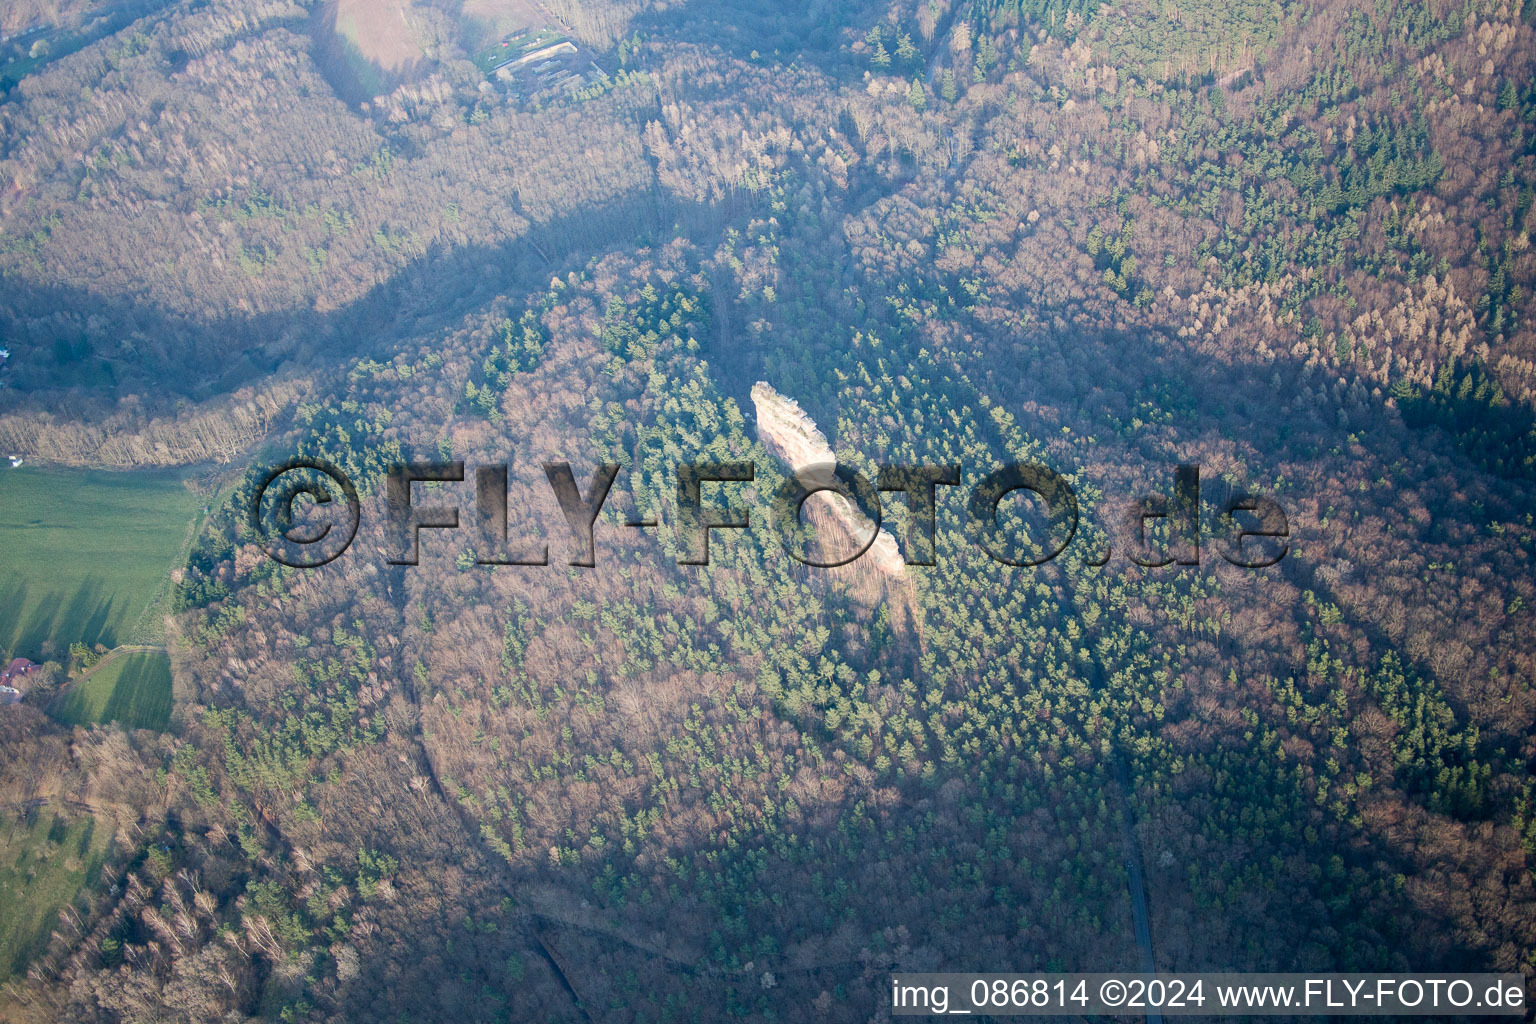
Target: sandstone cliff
(786,431)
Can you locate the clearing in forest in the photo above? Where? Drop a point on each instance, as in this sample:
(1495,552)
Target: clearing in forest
(86,555)
(131,688)
(46,857)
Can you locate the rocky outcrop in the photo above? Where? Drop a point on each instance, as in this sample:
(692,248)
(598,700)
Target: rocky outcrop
(786,431)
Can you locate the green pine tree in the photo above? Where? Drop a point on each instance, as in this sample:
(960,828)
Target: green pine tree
(1507,96)
(916,96)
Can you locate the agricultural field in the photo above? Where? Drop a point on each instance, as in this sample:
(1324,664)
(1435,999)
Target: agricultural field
(365,48)
(381,30)
(131,688)
(86,555)
(46,858)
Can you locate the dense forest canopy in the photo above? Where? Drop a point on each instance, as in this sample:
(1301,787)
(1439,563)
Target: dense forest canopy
(1285,240)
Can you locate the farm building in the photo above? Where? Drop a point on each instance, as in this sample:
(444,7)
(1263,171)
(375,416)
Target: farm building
(564,46)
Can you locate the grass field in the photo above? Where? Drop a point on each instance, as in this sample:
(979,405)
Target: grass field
(132,688)
(381,30)
(46,858)
(86,555)
(485,23)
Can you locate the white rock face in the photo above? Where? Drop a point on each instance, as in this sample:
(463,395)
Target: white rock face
(786,431)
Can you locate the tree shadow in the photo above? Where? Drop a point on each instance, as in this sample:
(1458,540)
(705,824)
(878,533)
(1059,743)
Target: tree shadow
(40,623)
(141,697)
(205,357)
(212,355)
(350,73)
(1468,404)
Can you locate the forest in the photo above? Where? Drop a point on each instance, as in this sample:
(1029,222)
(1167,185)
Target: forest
(1286,240)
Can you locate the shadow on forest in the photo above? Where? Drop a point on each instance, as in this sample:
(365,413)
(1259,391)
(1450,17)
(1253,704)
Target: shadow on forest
(200,358)
(1467,403)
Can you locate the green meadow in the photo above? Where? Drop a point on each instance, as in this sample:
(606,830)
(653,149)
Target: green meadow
(46,858)
(131,688)
(86,555)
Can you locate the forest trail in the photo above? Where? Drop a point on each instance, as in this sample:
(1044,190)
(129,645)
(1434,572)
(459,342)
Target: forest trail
(1139,916)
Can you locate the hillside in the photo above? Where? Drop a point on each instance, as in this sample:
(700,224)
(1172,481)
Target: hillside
(1285,242)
